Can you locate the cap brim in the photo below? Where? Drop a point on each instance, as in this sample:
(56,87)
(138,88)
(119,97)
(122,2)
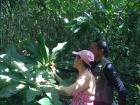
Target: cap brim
(75,53)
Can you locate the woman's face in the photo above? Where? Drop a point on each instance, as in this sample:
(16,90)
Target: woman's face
(77,62)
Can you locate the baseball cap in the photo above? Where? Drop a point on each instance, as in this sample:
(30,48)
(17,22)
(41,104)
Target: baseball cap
(86,55)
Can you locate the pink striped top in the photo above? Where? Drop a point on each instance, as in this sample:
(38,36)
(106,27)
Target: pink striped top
(83,98)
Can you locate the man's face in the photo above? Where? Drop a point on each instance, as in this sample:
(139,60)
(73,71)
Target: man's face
(95,50)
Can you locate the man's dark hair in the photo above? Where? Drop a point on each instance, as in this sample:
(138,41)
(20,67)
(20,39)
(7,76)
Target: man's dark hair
(102,44)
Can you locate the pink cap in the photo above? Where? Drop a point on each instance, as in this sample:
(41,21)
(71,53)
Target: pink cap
(86,55)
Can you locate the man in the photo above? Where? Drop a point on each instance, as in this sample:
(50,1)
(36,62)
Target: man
(106,76)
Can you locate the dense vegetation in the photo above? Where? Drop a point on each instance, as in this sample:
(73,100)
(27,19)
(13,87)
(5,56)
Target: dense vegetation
(30,30)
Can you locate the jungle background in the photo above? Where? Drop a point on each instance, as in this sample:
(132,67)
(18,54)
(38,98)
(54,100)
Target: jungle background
(34,33)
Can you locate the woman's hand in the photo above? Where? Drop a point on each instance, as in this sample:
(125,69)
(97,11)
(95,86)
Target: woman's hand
(43,82)
(53,67)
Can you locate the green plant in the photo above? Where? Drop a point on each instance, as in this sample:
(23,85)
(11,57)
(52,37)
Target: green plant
(20,77)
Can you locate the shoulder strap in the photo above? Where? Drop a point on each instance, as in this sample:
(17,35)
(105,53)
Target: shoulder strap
(100,67)
(104,62)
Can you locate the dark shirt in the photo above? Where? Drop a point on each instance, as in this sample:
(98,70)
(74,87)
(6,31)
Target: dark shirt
(114,81)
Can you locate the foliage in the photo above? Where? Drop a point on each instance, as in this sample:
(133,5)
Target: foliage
(21,78)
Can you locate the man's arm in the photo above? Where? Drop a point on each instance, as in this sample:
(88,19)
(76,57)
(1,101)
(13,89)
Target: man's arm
(114,80)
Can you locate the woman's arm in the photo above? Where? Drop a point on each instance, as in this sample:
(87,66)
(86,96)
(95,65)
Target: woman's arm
(81,84)
(58,78)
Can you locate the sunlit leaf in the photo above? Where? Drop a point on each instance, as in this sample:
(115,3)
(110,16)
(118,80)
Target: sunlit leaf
(45,101)
(31,94)
(8,91)
(59,47)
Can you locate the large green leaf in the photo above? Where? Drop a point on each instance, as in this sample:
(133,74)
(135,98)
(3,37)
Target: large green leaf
(52,95)
(8,77)
(13,53)
(13,66)
(43,48)
(11,89)
(31,93)
(33,50)
(55,50)
(38,49)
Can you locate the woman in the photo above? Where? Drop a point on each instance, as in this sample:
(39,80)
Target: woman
(83,90)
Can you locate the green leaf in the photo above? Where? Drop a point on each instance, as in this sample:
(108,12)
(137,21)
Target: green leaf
(20,66)
(59,47)
(52,95)
(43,48)
(45,101)
(99,5)
(12,53)
(56,49)
(65,65)
(30,47)
(67,82)
(31,94)
(8,91)
(8,78)
(138,86)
